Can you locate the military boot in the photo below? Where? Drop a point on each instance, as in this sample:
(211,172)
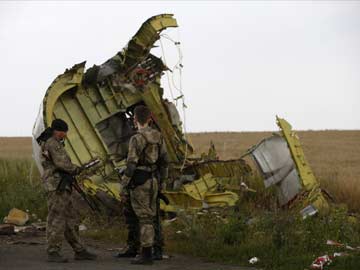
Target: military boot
(129,252)
(144,258)
(56,257)
(84,255)
(157,254)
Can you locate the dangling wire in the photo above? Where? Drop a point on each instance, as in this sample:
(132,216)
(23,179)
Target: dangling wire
(178,66)
(167,71)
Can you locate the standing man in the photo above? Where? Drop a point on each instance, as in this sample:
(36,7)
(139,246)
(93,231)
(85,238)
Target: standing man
(61,220)
(147,160)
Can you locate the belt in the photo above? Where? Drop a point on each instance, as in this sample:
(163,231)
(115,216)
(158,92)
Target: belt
(140,177)
(147,168)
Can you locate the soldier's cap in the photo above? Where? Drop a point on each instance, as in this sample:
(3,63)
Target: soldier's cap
(59,125)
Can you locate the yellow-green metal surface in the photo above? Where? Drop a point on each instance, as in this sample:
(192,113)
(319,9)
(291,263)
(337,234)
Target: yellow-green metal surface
(140,45)
(307,176)
(205,192)
(312,192)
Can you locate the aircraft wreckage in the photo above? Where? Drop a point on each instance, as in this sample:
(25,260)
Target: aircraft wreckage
(98,104)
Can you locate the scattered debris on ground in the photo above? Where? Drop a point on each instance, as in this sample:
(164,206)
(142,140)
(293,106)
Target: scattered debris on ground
(326,260)
(40,226)
(340,245)
(17,222)
(16,217)
(254,260)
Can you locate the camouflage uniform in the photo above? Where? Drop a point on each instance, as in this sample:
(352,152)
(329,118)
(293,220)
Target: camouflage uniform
(147,153)
(132,222)
(158,240)
(62,217)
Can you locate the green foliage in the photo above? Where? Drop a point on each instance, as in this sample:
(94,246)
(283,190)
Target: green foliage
(20,187)
(280,240)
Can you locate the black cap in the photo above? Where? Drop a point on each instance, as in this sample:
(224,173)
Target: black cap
(59,125)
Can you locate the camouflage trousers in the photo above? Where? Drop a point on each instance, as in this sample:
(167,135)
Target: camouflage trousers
(158,240)
(62,222)
(132,223)
(143,202)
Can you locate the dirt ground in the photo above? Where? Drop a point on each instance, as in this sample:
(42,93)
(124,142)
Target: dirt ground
(28,252)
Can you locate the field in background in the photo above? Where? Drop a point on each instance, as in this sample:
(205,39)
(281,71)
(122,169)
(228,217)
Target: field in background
(281,241)
(15,147)
(333,155)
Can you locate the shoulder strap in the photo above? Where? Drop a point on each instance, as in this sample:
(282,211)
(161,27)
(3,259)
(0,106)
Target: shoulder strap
(147,143)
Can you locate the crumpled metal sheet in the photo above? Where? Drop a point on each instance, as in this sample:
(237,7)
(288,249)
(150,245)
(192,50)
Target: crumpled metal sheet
(274,160)
(313,200)
(202,193)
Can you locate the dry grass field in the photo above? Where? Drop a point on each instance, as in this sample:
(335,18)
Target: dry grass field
(15,147)
(333,155)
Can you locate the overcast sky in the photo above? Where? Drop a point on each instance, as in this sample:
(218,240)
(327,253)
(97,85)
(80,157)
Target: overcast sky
(244,62)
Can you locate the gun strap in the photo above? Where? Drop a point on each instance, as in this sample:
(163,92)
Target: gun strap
(143,153)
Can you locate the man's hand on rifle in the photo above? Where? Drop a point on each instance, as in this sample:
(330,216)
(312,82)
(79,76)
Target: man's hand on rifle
(87,166)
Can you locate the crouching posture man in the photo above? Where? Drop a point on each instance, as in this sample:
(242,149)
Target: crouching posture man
(61,220)
(146,162)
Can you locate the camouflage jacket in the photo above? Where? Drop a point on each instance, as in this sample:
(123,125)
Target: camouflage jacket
(147,150)
(53,158)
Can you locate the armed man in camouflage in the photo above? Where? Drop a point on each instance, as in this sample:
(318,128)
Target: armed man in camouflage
(147,163)
(61,220)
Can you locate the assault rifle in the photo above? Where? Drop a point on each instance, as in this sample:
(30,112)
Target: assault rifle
(69,180)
